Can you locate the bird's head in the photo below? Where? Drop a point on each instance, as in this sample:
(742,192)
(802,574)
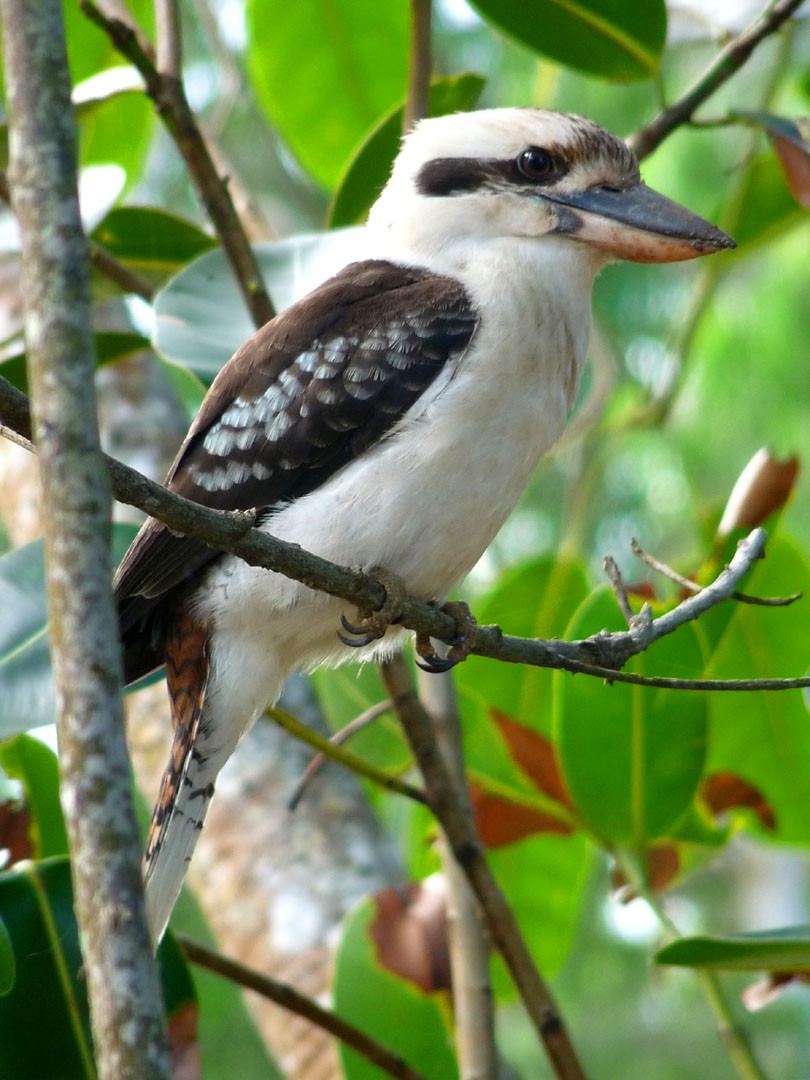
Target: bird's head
(533,174)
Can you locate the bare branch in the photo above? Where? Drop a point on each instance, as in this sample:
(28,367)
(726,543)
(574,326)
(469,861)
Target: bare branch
(473,1003)
(167,91)
(168,39)
(728,61)
(338,739)
(601,655)
(453,815)
(288,998)
(125,1000)
(416,103)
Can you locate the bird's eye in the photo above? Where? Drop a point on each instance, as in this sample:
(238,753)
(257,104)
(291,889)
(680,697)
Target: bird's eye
(535,164)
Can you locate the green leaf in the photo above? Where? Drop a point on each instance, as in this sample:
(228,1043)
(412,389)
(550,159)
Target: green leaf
(200,316)
(8,966)
(350,57)
(765,737)
(765,207)
(787,949)
(369,169)
(544,879)
(151,241)
(632,756)
(26,684)
(29,760)
(111,346)
(407,1019)
(534,600)
(609,38)
(49,991)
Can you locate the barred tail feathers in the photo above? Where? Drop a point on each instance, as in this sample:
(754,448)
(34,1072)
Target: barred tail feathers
(188,781)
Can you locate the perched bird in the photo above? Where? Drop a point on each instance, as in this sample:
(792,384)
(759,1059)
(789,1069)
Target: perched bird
(389,419)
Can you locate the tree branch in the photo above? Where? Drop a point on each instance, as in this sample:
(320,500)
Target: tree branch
(601,655)
(728,61)
(416,103)
(168,94)
(288,998)
(452,813)
(473,1003)
(125,1000)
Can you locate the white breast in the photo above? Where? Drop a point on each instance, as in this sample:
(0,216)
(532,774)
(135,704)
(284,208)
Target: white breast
(426,501)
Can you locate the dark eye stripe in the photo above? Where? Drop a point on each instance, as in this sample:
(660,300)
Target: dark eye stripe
(458,176)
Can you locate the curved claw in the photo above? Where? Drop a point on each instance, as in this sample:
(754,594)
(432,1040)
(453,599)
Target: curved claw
(357,643)
(351,628)
(436,664)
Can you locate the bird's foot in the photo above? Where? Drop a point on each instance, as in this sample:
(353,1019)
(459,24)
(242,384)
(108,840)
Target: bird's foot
(372,625)
(427,657)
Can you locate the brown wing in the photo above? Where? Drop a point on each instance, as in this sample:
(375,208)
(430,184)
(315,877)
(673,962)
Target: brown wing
(305,395)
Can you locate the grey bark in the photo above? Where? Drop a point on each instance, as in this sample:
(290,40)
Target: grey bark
(124,993)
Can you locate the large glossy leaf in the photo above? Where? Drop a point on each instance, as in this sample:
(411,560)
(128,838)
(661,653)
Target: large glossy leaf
(632,756)
(325,72)
(110,345)
(369,169)
(610,38)
(26,684)
(49,991)
(119,129)
(410,1020)
(544,879)
(534,600)
(33,763)
(8,967)
(150,240)
(200,317)
(765,737)
(787,949)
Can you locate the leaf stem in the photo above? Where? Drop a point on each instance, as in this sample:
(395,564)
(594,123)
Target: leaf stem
(345,757)
(732,1034)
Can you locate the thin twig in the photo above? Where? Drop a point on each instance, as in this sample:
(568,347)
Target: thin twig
(343,757)
(611,568)
(730,59)
(601,655)
(338,739)
(459,828)
(693,587)
(170,99)
(416,103)
(288,998)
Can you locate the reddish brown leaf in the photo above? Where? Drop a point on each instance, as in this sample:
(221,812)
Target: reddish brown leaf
(409,932)
(14,834)
(501,822)
(535,755)
(762,993)
(794,157)
(763,487)
(185,1050)
(725,790)
(663,864)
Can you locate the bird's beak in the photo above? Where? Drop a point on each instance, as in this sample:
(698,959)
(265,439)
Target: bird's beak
(638,224)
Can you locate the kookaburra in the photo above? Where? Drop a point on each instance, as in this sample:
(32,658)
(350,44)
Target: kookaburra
(390,419)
